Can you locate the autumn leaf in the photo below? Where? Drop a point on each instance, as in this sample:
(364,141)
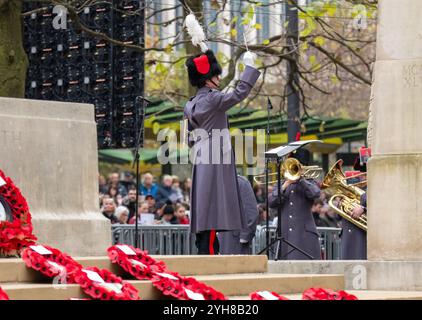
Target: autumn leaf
(319,41)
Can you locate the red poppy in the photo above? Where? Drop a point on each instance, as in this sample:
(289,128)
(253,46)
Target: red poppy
(3,295)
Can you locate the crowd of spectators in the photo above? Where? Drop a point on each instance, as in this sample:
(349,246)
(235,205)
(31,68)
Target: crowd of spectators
(168,202)
(159,203)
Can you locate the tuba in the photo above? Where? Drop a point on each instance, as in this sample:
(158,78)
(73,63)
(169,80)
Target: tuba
(344,197)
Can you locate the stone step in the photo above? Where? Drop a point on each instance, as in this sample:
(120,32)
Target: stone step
(229,284)
(361,295)
(374,295)
(14,270)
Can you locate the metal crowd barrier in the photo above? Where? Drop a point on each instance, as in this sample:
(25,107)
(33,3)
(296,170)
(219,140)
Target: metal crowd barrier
(177,240)
(158,240)
(329,240)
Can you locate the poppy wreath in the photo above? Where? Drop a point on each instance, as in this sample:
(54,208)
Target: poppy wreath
(326,294)
(52,265)
(141,265)
(209,293)
(266,295)
(170,284)
(16,234)
(3,295)
(113,287)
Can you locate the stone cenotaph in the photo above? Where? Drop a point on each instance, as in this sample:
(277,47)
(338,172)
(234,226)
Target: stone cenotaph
(49,149)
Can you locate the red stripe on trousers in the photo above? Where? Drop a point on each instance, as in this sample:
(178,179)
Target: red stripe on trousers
(212,240)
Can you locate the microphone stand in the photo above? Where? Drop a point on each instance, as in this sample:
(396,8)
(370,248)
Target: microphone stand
(140,117)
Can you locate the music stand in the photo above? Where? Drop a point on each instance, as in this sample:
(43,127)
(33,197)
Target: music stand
(278,154)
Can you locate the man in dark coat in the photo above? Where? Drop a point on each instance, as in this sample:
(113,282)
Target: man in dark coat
(239,241)
(215,199)
(297,223)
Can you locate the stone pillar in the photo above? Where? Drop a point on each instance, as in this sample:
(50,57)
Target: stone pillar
(49,149)
(395,170)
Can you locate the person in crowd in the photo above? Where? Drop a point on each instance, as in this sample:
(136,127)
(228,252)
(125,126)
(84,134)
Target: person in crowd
(168,217)
(263,215)
(102,184)
(122,214)
(112,192)
(316,212)
(102,198)
(150,200)
(239,241)
(114,181)
(259,194)
(177,190)
(159,206)
(148,186)
(327,217)
(181,215)
(130,202)
(108,210)
(186,187)
(297,223)
(126,184)
(165,190)
(142,209)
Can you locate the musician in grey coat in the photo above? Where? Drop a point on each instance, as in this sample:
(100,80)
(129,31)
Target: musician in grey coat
(353,238)
(239,241)
(215,198)
(297,223)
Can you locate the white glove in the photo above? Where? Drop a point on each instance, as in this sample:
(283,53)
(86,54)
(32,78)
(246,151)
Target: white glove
(249,59)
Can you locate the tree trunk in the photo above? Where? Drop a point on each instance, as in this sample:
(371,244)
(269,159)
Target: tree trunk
(13,59)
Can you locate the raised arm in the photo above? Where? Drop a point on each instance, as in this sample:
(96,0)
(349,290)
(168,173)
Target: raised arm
(224,101)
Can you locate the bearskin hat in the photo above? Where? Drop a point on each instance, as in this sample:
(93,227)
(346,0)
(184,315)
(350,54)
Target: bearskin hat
(202,67)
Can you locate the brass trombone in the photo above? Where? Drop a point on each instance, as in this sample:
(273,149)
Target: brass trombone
(291,169)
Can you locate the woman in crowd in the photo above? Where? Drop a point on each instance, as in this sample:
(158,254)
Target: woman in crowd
(181,215)
(122,214)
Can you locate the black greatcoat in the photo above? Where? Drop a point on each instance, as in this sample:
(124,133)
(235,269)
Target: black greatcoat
(215,198)
(297,223)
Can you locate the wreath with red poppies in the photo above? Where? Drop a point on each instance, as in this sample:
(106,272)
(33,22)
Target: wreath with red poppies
(326,294)
(16,229)
(51,262)
(107,286)
(3,295)
(143,267)
(308,294)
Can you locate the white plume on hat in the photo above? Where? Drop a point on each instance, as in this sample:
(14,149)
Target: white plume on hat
(196,32)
